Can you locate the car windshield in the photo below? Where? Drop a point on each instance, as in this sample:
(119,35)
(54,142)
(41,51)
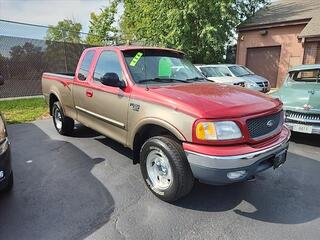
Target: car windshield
(305,76)
(155,66)
(211,72)
(240,71)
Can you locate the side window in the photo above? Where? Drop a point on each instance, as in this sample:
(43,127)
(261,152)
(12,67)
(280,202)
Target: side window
(85,66)
(108,62)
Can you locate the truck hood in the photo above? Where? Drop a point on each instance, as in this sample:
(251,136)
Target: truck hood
(295,95)
(211,100)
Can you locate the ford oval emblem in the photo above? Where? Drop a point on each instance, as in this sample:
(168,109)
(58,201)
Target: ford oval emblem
(270,123)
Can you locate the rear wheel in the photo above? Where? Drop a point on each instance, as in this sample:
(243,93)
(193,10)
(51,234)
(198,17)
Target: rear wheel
(63,124)
(165,168)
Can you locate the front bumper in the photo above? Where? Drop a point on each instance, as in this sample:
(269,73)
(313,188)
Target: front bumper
(214,169)
(5,163)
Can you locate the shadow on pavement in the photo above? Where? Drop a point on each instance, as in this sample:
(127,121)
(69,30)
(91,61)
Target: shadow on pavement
(289,195)
(309,139)
(55,194)
(82,131)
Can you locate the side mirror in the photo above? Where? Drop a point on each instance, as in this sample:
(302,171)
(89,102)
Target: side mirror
(112,79)
(1,80)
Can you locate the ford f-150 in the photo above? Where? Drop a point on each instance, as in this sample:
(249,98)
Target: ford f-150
(179,126)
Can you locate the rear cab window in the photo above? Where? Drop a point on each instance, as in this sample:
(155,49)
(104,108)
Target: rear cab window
(85,65)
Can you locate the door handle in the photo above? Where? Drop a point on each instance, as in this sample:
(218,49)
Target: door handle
(89,93)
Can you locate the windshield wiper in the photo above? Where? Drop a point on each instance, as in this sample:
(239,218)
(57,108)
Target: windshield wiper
(163,80)
(196,79)
(247,74)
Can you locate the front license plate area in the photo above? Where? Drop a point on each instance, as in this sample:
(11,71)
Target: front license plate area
(279,159)
(300,128)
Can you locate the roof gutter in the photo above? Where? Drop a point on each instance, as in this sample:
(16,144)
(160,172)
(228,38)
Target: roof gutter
(272,25)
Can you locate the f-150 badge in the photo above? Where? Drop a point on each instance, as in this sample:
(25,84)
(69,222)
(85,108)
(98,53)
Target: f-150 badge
(135,107)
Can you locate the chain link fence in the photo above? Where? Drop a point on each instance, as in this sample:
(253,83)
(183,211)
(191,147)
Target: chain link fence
(26,52)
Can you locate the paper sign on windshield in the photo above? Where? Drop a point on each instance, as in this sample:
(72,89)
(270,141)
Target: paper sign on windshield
(136,59)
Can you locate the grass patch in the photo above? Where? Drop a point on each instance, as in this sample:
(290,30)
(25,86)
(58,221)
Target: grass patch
(24,110)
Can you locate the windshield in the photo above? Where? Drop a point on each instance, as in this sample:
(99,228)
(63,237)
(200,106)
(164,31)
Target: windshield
(160,66)
(240,71)
(305,76)
(211,72)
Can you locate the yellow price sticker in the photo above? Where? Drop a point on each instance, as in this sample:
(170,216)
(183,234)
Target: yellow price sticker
(136,59)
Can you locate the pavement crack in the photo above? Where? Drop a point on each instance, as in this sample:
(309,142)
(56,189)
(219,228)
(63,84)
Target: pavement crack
(122,235)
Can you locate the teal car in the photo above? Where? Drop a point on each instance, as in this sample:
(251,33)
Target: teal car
(300,95)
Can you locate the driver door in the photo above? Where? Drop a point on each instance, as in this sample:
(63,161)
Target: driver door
(107,106)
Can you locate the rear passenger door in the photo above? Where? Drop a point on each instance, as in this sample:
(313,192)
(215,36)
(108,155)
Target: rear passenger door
(81,85)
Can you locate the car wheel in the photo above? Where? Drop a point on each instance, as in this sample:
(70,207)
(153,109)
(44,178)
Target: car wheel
(165,168)
(64,125)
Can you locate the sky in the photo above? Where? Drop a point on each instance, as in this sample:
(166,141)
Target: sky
(46,12)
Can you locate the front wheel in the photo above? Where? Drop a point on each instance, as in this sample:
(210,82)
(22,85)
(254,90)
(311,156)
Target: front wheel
(165,168)
(63,124)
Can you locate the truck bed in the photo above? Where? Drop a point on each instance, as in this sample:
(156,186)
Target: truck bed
(66,75)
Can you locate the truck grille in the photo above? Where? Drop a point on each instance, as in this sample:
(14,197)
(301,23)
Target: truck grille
(263,84)
(264,126)
(241,84)
(299,117)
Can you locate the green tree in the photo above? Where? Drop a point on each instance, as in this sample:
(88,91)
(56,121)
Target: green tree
(102,26)
(66,30)
(201,28)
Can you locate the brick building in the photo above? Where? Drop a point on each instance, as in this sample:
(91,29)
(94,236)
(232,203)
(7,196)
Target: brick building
(284,34)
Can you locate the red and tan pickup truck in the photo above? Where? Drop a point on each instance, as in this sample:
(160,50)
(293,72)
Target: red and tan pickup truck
(179,126)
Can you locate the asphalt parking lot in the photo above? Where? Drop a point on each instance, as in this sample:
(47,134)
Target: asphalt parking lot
(87,187)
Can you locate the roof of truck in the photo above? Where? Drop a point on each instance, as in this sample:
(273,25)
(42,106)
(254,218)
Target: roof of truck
(135,47)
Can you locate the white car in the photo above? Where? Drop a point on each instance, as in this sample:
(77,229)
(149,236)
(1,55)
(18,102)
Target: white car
(212,73)
(235,74)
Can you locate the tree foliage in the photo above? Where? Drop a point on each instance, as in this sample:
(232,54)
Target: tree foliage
(102,26)
(201,28)
(66,30)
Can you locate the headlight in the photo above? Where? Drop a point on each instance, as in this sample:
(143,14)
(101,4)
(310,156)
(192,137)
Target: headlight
(225,130)
(251,85)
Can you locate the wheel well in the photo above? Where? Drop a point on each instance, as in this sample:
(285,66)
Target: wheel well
(146,132)
(52,99)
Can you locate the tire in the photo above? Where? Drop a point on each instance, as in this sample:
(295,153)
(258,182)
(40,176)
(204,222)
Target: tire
(165,168)
(63,124)
(9,183)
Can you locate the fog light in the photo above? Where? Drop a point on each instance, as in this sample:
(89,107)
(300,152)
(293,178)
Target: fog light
(236,174)
(1,174)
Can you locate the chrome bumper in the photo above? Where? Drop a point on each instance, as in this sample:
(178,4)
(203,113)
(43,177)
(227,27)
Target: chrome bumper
(215,170)
(238,161)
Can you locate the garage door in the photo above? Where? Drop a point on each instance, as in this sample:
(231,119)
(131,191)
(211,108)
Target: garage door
(264,61)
